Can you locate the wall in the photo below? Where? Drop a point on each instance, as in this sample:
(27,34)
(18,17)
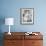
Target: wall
(11,8)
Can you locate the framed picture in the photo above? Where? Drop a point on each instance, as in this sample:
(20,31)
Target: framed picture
(27,15)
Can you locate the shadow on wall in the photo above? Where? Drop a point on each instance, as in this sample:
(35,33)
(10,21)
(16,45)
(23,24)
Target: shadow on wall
(2,21)
(1,39)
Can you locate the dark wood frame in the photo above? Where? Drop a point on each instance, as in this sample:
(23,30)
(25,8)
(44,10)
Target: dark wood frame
(31,14)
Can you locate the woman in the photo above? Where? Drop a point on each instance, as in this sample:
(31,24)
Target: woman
(27,16)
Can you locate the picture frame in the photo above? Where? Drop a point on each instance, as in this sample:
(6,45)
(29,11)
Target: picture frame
(27,15)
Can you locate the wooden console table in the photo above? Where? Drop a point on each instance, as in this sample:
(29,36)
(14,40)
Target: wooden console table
(20,39)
